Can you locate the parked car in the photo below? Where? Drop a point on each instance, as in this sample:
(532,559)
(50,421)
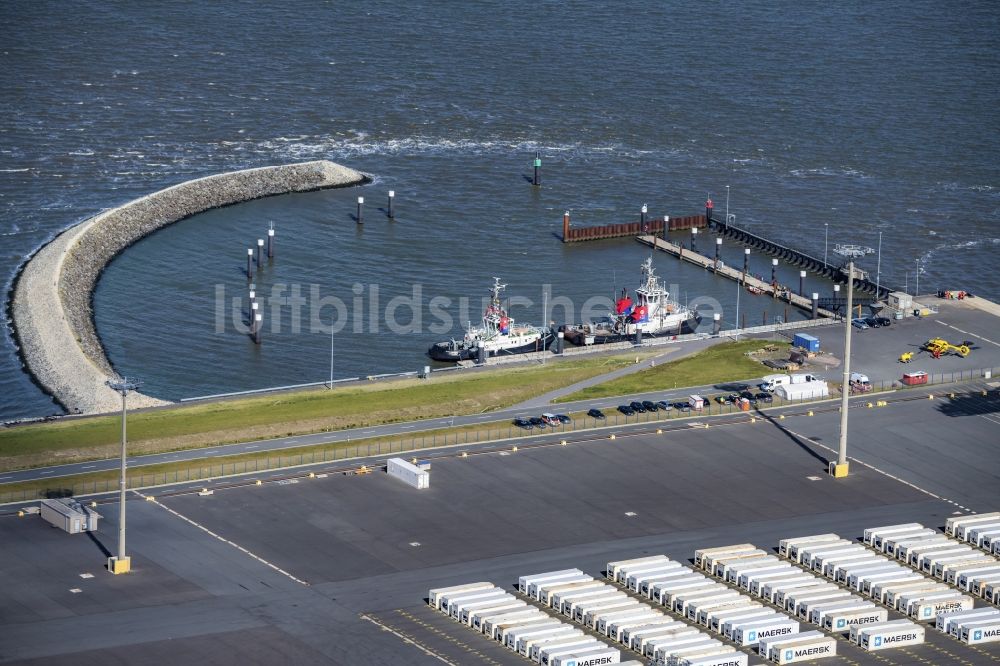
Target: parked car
(872,322)
(626,410)
(649,405)
(764,396)
(883,321)
(637,407)
(682,406)
(749,397)
(550,419)
(523,423)
(596,414)
(722,399)
(859,323)
(537,422)
(664,405)
(563,418)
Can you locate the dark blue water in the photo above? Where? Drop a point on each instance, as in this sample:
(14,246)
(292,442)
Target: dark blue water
(850,119)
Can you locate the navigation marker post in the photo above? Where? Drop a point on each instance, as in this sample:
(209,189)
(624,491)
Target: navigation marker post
(121,563)
(536,180)
(390,212)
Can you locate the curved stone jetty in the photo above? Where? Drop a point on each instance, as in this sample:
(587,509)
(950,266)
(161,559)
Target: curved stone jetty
(51,303)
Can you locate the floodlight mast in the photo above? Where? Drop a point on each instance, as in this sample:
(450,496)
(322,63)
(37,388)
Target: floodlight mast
(851,252)
(122,563)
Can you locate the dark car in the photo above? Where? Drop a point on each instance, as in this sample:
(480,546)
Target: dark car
(664,405)
(563,418)
(750,397)
(682,406)
(764,396)
(872,322)
(649,405)
(637,407)
(883,321)
(596,414)
(626,410)
(537,422)
(722,399)
(523,423)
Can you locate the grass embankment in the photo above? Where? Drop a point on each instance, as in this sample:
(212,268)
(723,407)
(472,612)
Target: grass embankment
(294,413)
(721,363)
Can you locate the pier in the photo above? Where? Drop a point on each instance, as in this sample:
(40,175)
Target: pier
(654,226)
(710,264)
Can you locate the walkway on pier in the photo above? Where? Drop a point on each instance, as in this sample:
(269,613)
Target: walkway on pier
(731,273)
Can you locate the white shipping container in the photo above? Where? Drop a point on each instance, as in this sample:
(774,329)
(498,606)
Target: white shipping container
(856,632)
(625,574)
(696,651)
(802,605)
(639,643)
(571,602)
(662,623)
(915,554)
(729,569)
(981,632)
(948,622)
(674,642)
(434,596)
(770,589)
(408,473)
(787,547)
(855,578)
(702,553)
(725,659)
(979,583)
(963,576)
(876,589)
(819,613)
(544,591)
(790,653)
(635,579)
(783,596)
(872,535)
(528,644)
(707,612)
(613,567)
(875,638)
(942,567)
(725,625)
(895,592)
(751,633)
(544,655)
(494,626)
(927,609)
(616,630)
(596,657)
(594,615)
(890,542)
(719,564)
(906,546)
(552,595)
(500,630)
(525,583)
(646,587)
(581,609)
(515,637)
(953,523)
(958,552)
(842,622)
(446,600)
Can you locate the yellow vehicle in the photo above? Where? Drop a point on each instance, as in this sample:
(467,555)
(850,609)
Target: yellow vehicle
(939,346)
(906,357)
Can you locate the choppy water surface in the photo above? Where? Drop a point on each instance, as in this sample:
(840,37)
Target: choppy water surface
(853,120)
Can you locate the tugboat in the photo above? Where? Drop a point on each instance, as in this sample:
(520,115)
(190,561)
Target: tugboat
(497,335)
(653,313)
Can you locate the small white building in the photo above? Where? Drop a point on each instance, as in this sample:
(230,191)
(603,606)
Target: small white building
(408,473)
(70,515)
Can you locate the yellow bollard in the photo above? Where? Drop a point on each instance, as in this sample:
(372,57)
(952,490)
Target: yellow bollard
(150,498)
(364,469)
(930,396)
(20,514)
(611,436)
(514,449)
(810,412)
(951,395)
(659,431)
(781,418)
(753,419)
(259,482)
(562,442)
(312,475)
(465,454)
(93,505)
(706,425)
(869,405)
(413,460)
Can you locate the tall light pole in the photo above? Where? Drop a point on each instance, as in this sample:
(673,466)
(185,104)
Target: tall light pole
(826,240)
(332,322)
(916,288)
(121,563)
(739,288)
(841,467)
(878,269)
(727,205)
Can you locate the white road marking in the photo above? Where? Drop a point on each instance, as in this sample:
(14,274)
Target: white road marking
(405,639)
(221,538)
(47,471)
(249,446)
(5,477)
(90,467)
(969,333)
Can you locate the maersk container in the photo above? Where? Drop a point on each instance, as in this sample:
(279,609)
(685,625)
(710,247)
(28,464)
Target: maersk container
(751,633)
(801,605)
(905,548)
(877,589)
(927,562)
(981,632)
(477,618)
(764,646)
(924,586)
(449,599)
(528,584)
(544,654)
(606,619)
(991,593)
(693,651)
(842,622)
(674,643)
(928,608)
(807,555)
(518,637)
(986,538)
(717,564)
(793,652)
(745,576)
(963,529)
(963,576)
(872,536)
(836,569)
(979,583)
(696,608)
(667,595)
(626,574)
(533,645)
(707,612)
(680,601)
(702,553)
(434,596)
(613,567)
(806,609)
(728,569)
(819,560)
(594,615)
(657,589)
(949,622)
(917,554)
(636,578)
(475,612)
(714,620)
(496,627)
(819,613)
(787,547)
(662,623)
(647,585)
(460,609)
(771,588)
(571,602)
(725,659)
(876,638)
(525,583)
(944,570)
(727,625)
(889,625)
(500,631)
(551,596)
(756,580)
(855,576)
(863,581)
(955,522)
(639,643)
(904,600)
(596,657)
(616,630)
(581,609)
(797,552)
(665,652)
(890,542)
(784,595)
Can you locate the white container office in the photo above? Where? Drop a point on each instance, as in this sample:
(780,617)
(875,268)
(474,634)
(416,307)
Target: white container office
(69,515)
(408,473)
(526,584)
(434,596)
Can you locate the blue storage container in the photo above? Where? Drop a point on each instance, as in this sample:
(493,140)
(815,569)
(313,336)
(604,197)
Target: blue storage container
(807,342)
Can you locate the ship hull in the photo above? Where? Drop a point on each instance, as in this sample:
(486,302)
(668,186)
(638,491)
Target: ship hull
(448,353)
(602,336)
